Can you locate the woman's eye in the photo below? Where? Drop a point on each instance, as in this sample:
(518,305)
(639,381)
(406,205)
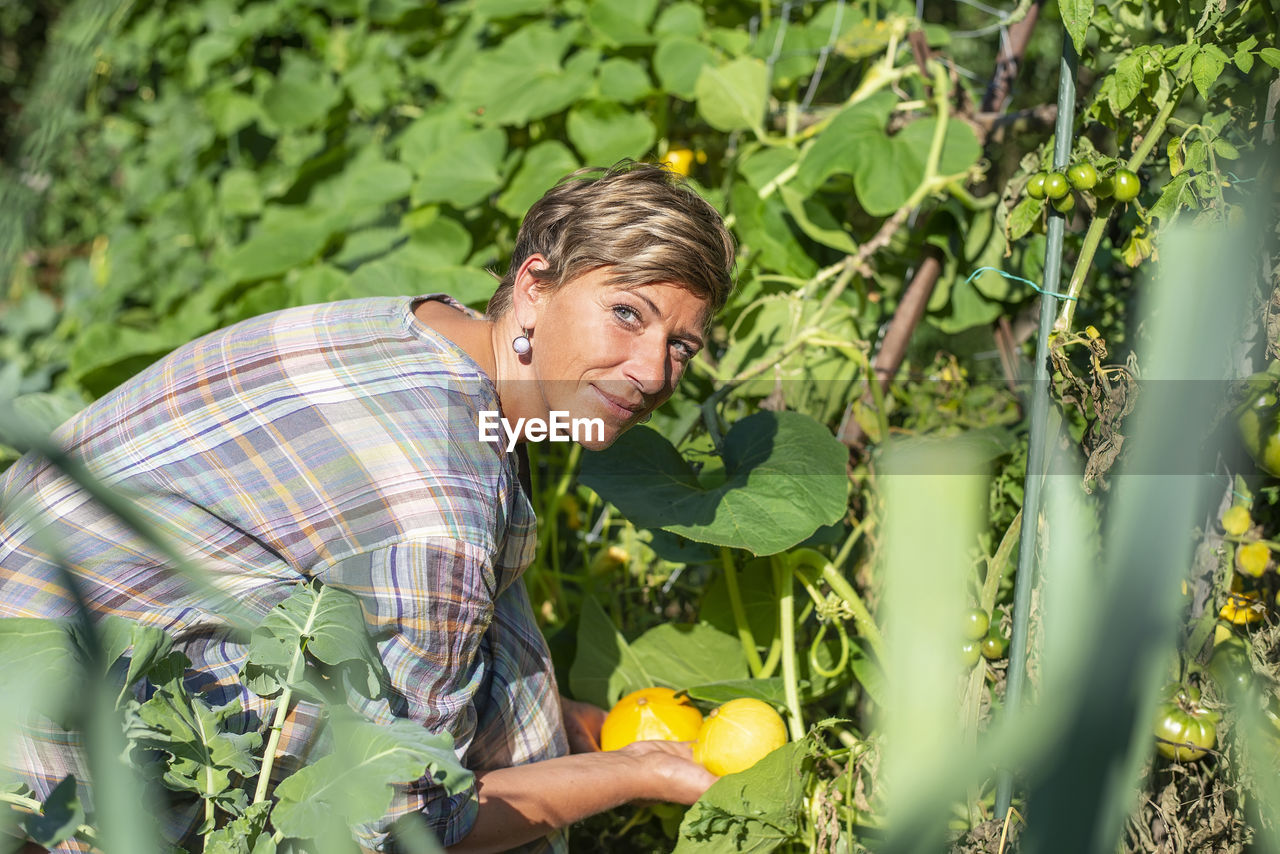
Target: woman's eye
(684,351)
(626,314)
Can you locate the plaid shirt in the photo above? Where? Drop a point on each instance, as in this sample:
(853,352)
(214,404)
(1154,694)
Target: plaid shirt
(336,442)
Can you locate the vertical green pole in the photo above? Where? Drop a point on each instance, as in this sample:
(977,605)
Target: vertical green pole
(1039,437)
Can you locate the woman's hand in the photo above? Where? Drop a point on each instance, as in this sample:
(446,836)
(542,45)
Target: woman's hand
(669,767)
(524,802)
(582,722)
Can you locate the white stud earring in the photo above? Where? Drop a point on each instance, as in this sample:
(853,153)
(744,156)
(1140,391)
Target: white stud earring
(521,343)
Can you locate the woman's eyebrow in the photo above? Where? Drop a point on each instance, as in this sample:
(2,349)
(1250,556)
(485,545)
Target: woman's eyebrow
(688,337)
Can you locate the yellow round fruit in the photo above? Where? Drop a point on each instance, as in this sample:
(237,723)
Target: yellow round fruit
(651,714)
(1236,520)
(680,160)
(737,735)
(1253,558)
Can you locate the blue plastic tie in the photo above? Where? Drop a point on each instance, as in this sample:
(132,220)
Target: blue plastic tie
(1033,285)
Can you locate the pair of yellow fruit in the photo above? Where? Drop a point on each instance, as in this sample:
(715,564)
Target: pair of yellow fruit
(732,738)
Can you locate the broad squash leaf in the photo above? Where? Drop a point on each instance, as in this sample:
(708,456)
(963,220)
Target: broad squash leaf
(784,477)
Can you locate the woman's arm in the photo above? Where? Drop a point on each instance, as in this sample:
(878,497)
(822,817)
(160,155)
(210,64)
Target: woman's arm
(523,803)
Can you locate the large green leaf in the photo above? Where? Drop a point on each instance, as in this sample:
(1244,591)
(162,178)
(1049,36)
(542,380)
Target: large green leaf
(681,18)
(751,812)
(239,192)
(605,667)
(681,656)
(456,162)
(762,229)
(367,184)
(29,646)
(771,690)
(353,785)
(605,133)
(316,622)
(543,165)
(855,133)
(509,8)
(755,589)
(147,645)
(622,80)
(522,79)
(1076,15)
(301,95)
(413,270)
(202,755)
(60,814)
(884,187)
(733,96)
(285,238)
(886,169)
(784,477)
(620,23)
(678,62)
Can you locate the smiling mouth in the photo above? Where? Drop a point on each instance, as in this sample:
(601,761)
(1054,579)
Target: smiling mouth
(621,409)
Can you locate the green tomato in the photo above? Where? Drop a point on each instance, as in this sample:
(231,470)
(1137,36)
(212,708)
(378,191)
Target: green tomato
(1082,176)
(1064,204)
(1105,188)
(970,652)
(1127,185)
(1055,185)
(1035,186)
(1231,669)
(1258,421)
(993,647)
(976,623)
(1184,729)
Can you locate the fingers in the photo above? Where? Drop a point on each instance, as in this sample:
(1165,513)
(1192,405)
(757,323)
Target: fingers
(676,778)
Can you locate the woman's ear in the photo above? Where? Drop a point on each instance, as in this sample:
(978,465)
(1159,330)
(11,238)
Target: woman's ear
(528,292)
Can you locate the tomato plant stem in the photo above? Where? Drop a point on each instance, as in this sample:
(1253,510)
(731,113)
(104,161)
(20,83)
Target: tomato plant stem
(1093,237)
(739,613)
(785,591)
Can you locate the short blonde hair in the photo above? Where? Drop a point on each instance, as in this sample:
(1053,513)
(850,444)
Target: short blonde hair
(641,219)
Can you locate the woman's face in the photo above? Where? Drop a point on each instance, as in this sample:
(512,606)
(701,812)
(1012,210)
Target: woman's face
(614,352)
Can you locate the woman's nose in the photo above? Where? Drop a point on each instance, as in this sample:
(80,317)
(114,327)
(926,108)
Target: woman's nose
(649,367)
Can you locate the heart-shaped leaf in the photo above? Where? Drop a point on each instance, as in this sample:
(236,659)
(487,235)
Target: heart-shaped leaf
(784,477)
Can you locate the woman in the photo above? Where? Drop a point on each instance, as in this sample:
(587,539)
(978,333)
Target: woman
(342,442)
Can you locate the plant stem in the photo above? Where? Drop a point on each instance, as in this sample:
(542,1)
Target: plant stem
(273,742)
(1092,240)
(296,668)
(1093,237)
(785,591)
(814,560)
(739,613)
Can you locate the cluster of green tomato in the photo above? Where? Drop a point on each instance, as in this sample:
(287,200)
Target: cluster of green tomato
(982,639)
(1123,185)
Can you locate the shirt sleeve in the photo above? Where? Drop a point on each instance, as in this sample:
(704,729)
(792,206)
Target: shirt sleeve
(428,604)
